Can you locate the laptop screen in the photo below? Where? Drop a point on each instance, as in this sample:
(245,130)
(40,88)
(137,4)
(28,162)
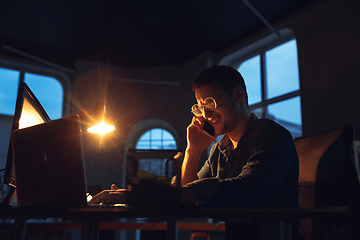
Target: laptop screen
(28,112)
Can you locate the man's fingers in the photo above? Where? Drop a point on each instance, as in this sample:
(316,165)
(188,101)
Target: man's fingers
(109,197)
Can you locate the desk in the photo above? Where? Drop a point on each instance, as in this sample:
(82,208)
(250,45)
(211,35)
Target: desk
(92,216)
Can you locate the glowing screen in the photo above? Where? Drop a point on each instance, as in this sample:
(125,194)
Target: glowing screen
(29,115)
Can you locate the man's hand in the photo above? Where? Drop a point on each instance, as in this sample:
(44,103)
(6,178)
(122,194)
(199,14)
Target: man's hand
(112,196)
(197,142)
(196,138)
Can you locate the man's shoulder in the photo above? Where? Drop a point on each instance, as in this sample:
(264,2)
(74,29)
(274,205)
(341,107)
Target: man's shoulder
(270,124)
(269,135)
(267,127)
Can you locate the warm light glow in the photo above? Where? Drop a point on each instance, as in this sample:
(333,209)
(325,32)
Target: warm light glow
(101,128)
(29,116)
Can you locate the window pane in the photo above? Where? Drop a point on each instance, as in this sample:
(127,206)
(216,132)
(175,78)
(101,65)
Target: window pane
(167,136)
(155,144)
(156,138)
(258,112)
(48,91)
(145,136)
(156,134)
(8,91)
(250,70)
(143,145)
(282,69)
(288,114)
(169,144)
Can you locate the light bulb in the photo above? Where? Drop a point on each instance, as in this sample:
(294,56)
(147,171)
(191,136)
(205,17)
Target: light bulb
(101,128)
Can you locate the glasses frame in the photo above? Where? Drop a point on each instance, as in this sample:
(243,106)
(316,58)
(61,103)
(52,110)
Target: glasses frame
(201,106)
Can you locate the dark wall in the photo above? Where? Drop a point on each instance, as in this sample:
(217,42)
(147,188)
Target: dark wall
(328,38)
(327,34)
(132,96)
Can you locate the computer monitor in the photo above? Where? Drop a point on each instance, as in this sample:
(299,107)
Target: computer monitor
(28,112)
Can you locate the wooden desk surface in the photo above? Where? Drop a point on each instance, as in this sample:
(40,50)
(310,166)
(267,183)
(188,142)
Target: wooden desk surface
(96,218)
(182,226)
(176,212)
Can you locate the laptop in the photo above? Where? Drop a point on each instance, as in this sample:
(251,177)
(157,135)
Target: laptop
(49,164)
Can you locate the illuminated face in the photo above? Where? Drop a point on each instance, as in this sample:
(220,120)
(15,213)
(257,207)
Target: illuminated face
(224,117)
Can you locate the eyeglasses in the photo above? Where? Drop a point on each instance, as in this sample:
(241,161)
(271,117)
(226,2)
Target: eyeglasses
(209,103)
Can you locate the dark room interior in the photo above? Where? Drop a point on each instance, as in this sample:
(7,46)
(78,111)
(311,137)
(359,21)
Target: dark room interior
(140,58)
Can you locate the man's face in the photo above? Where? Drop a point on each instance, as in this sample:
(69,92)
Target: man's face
(224,117)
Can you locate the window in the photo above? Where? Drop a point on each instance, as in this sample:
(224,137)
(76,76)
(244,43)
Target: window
(155,139)
(49,85)
(9,84)
(272,81)
(47,89)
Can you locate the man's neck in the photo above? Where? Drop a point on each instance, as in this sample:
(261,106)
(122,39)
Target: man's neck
(236,134)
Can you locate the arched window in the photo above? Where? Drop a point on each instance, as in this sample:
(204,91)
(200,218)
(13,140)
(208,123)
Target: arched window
(155,139)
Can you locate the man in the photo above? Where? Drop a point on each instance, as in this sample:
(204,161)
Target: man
(255,164)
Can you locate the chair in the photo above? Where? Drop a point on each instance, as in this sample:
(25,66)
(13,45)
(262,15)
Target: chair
(328,178)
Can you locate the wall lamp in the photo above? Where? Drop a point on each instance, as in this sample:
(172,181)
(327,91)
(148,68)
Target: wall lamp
(98,123)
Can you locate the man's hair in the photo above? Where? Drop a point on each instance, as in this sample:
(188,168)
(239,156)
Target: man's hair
(224,77)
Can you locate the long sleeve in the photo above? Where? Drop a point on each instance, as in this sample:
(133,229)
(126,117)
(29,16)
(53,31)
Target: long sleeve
(262,171)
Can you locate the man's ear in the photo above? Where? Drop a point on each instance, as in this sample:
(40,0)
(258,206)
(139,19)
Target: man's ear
(239,94)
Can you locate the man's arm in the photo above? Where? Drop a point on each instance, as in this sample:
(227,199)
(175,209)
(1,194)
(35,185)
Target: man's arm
(197,142)
(189,167)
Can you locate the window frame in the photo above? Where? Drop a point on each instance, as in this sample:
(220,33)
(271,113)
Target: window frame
(265,101)
(138,130)
(60,76)
(143,126)
(152,140)
(260,47)
(135,134)
(151,160)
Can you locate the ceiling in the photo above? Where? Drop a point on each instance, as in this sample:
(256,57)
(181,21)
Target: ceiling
(132,33)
